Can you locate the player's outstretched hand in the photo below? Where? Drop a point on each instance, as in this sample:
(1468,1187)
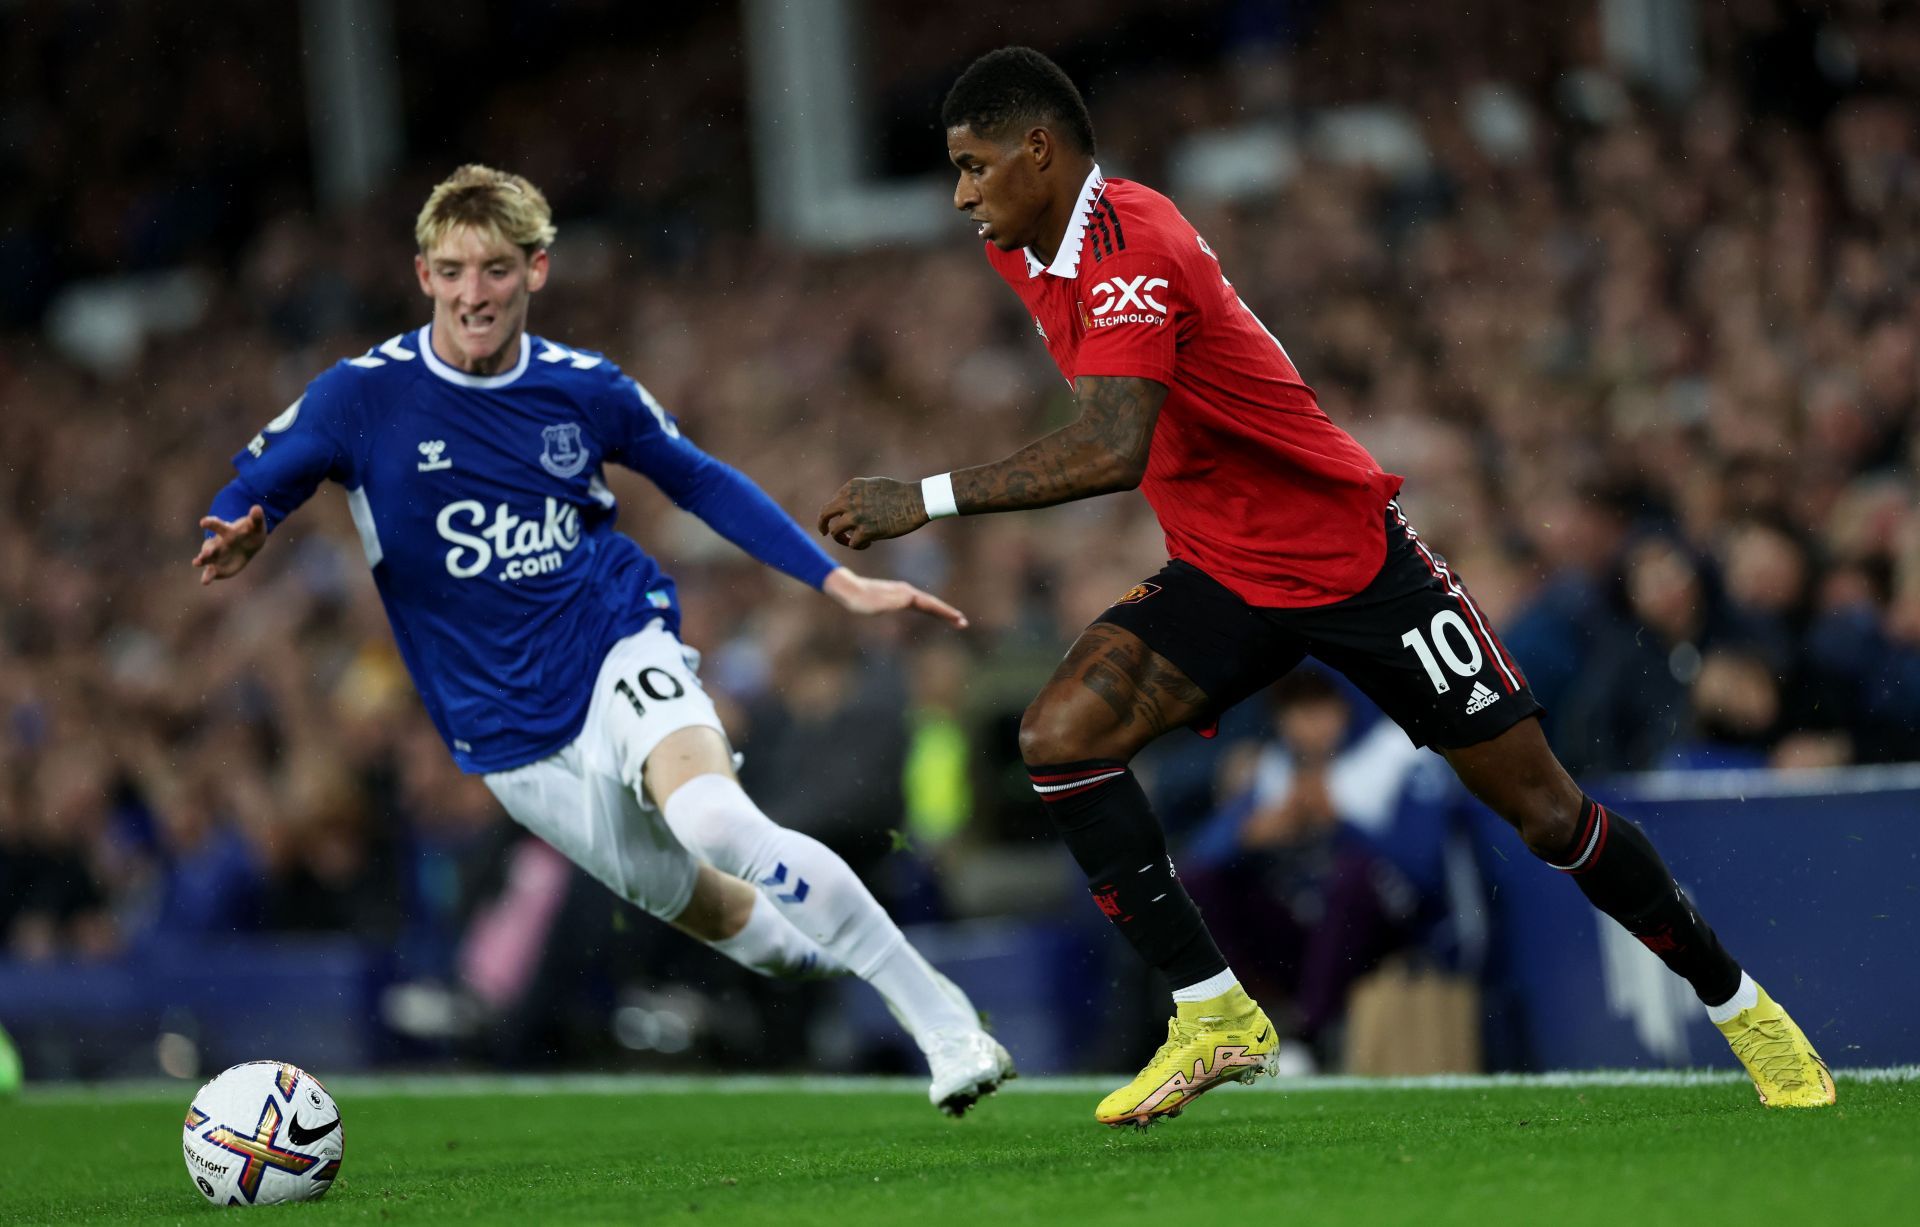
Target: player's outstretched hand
(232,546)
(871,596)
(870,509)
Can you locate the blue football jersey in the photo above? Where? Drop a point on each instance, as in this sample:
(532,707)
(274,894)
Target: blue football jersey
(481,507)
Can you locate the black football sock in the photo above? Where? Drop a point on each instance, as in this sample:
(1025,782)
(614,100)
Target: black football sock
(1103,816)
(1615,865)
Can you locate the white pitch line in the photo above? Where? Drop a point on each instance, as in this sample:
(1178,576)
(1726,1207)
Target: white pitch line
(420,1086)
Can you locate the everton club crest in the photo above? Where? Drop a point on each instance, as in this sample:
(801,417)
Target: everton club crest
(563,455)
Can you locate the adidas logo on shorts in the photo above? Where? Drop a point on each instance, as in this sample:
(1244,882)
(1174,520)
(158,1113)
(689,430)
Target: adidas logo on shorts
(1480,699)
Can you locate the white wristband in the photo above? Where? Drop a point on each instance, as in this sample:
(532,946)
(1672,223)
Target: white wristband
(937,493)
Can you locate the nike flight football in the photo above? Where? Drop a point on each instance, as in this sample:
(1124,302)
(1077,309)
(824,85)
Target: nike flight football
(261,1133)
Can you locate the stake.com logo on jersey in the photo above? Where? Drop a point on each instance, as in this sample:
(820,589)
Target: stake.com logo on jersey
(528,547)
(1125,300)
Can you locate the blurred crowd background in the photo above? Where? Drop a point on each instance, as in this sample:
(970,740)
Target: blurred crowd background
(1646,348)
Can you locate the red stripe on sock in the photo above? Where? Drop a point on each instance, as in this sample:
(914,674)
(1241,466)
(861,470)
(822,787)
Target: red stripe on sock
(1573,853)
(1051,797)
(1600,844)
(1068,776)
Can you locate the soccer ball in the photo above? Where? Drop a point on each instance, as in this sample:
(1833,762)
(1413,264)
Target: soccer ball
(261,1133)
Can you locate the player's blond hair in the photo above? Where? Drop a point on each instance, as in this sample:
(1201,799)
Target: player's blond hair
(488,200)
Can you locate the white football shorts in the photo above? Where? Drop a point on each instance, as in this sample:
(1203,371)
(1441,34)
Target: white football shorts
(587,800)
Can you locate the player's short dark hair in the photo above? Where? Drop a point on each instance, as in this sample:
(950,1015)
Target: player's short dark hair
(1017,86)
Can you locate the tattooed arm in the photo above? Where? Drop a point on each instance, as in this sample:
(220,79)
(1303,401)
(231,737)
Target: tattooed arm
(1103,450)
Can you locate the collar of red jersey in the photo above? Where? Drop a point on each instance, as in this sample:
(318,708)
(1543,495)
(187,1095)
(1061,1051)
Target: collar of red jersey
(1066,261)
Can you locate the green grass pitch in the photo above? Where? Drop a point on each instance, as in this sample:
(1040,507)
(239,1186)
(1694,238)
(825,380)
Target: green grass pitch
(1623,1152)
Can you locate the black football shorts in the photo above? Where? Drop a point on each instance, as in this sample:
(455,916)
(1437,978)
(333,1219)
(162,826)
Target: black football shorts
(1413,640)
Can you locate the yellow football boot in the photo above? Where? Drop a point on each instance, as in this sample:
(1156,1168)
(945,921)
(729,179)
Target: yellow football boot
(1223,1039)
(1785,1069)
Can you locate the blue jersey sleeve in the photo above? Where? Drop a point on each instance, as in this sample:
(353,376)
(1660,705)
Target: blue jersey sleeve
(283,464)
(644,437)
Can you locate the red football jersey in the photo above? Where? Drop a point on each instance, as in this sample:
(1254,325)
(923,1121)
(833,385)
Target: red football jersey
(1252,483)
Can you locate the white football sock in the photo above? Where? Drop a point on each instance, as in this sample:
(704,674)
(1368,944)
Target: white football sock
(1207,989)
(816,890)
(1744,998)
(770,945)
(912,988)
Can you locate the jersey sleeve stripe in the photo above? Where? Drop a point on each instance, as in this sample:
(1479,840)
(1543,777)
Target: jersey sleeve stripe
(1102,241)
(1113,215)
(364,524)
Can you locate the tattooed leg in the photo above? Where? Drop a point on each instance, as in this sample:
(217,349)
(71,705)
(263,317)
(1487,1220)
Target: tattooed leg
(1110,697)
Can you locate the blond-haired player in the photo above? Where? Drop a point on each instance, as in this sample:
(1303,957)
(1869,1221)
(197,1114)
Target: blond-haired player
(544,643)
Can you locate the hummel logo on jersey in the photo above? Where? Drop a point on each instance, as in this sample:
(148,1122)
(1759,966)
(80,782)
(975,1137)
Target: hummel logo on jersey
(1480,699)
(431,449)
